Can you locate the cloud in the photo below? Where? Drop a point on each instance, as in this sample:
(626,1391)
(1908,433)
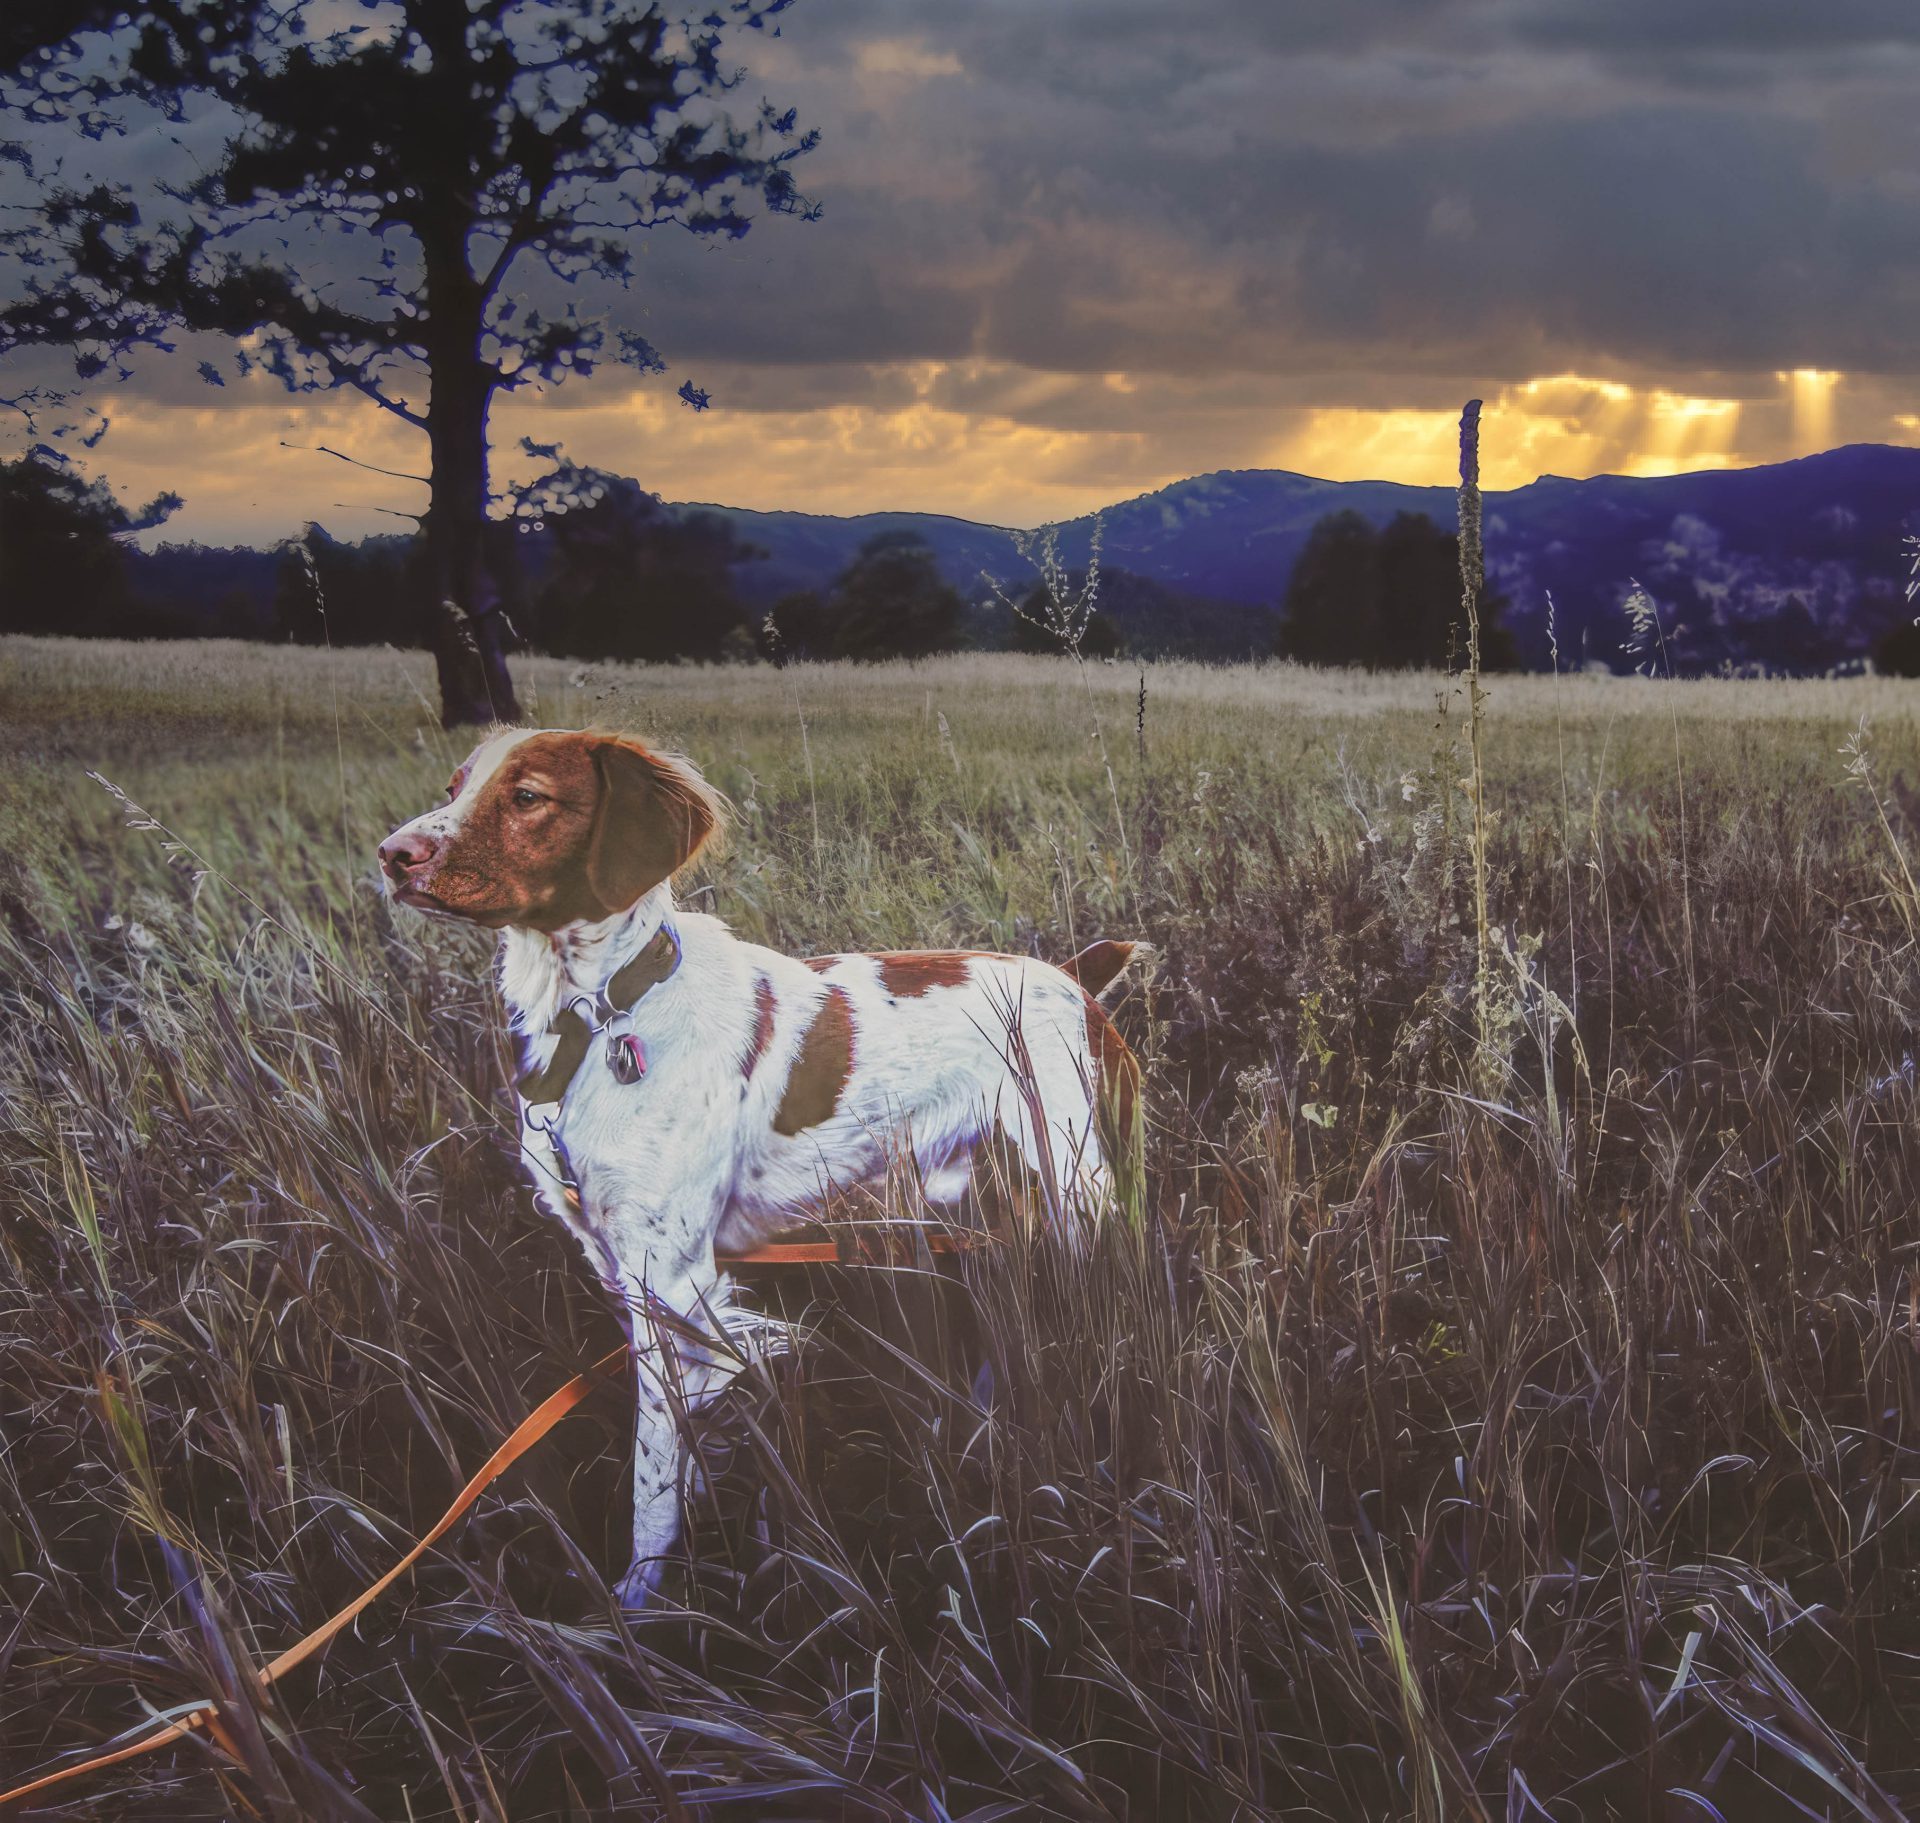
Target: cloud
(1191,190)
(906,58)
(1078,248)
(1643,29)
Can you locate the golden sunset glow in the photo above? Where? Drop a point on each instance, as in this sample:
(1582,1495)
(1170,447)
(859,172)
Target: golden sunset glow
(981,440)
(1564,424)
(1812,404)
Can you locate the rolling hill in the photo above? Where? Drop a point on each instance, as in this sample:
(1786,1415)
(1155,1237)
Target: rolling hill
(1792,565)
(1795,566)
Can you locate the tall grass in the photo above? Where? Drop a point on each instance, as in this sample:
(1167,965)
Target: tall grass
(1548,1451)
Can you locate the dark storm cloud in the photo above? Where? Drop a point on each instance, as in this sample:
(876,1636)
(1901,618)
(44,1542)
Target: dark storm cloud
(1768,27)
(1356,200)
(1489,188)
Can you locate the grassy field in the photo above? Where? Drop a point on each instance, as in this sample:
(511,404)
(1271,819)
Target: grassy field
(1508,1406)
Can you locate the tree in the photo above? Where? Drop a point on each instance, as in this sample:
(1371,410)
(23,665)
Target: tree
(1389,599)
(1330,613)
(1898,653)
(626,576)
(197,591)
(892,602)
(327,593)
(798,626)
(381,182)
(63,561)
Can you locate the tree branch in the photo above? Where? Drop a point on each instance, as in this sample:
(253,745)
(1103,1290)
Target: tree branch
(349,375)
(321,449)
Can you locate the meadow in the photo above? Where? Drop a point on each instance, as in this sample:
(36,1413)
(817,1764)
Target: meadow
(1500,1397)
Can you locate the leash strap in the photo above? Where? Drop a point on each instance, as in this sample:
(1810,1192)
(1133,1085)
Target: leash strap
(857,1250)
(525,1435)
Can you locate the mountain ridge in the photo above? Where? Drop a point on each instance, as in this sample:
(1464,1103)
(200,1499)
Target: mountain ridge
(1780,565)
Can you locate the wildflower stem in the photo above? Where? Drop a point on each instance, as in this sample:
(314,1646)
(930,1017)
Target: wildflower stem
(1472,579)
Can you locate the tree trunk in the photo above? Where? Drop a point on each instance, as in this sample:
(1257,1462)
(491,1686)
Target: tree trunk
(469,643)
(468,628)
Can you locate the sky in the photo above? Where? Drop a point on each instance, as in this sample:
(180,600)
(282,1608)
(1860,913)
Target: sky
(1073,250)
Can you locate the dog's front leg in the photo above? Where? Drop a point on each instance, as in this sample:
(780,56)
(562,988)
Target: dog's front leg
(675,1371)
(657,1452)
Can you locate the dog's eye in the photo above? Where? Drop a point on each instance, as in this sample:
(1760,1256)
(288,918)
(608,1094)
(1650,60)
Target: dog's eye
(526,799)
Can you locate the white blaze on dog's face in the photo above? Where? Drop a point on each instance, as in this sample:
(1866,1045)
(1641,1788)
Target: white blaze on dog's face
(544,828)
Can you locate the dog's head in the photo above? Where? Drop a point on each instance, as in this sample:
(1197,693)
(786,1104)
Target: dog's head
(548,827)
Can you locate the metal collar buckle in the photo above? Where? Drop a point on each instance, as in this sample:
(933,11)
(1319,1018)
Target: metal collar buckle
(586,1017)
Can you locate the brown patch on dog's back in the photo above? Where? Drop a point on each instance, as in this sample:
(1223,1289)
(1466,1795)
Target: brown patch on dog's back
(910,973)
(820,964)
(763,1002)
(1116,1077)
(821,1069)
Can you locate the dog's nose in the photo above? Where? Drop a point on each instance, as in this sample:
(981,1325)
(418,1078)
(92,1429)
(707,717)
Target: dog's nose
(405,852)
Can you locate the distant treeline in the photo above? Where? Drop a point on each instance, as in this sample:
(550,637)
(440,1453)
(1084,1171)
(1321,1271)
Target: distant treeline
(591,566)
(594,566)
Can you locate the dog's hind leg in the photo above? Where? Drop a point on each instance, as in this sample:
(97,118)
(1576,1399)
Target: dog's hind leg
(1053,1126)
(1073,1111)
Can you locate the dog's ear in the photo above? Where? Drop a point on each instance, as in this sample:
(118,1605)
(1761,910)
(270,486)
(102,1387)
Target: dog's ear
(653,816)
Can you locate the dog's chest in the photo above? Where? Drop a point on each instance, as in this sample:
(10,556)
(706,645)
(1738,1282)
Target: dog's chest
(639,1105)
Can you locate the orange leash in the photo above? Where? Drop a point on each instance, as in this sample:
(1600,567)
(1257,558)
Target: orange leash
(859,1253)
(855,1249)
(525,1435)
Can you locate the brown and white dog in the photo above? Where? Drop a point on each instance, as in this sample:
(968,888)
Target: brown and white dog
(739,1086)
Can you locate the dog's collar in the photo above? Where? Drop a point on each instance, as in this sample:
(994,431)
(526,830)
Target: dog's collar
(576,1031)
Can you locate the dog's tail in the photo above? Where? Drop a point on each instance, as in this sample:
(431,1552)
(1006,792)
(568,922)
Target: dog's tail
(1100,965)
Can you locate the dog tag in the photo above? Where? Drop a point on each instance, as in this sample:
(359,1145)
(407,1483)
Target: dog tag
(626,1058)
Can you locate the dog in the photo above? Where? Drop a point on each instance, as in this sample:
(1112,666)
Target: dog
(684,1093)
